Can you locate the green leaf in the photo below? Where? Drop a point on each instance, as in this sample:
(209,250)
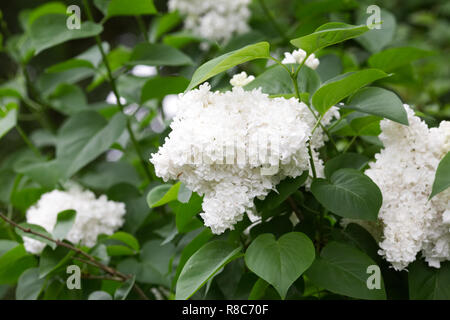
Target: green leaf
(151,54)
(346,160)
(227,61)
(89,147)
(376,39)
(50,30)
(136,8)
(68,99)
(158,87)
(185,213)
(164,24)
(200,239)
(123,291)
(162,194)
(47,8)
(99,295)
(6,245)
(53,259)
(70,64)
(38,229)
(8,118)
(127,239)
(64,223)
(349,193)
(327,35)
(276,81)
(391,59)
(203,265)
(284,189)
(379,102)
(442,177)
(340,87)
(427,283)
(342,269)
(280,262)
(13,263)
(29,285)
(258,290)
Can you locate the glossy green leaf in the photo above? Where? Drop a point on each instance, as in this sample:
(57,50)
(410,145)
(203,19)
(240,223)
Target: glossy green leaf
(349,193)
(376,39)
(338,88)
(158,87)
(342,269)
(289,257)
(427,283)
(327,35)
(8,118)
(346,160)
(203,265)
(13,263)
(125,8)
(126,238)
(70,64)
(50,30)
(379,102)
(442,176)
(37,229)
(158,55)
(64,223)
(391,59)
(226,61)
(29,285)
(54,259)
(162,195)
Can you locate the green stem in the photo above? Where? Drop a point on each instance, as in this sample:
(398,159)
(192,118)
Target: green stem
(142,27)
(116,93)
(28,141)
(349,144)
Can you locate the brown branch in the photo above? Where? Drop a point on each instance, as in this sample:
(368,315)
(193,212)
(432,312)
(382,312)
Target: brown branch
(90,259)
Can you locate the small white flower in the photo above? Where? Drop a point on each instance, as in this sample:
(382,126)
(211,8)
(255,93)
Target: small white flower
(312,62)
(241,79)
(297,56)
(94,216)
(143,71)
(111,99)
(170,106)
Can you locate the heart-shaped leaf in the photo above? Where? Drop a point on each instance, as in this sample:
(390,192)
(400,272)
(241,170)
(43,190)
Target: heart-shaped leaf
(280,262)
(427,283)
(343,269)
(349,193)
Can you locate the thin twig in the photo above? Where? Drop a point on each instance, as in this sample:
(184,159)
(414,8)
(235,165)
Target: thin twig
(90,259)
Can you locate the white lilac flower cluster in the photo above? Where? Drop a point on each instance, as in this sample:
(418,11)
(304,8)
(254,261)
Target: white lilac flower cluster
(297,56)
(404,171)
(93,216)
(216,20)
(214,148)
